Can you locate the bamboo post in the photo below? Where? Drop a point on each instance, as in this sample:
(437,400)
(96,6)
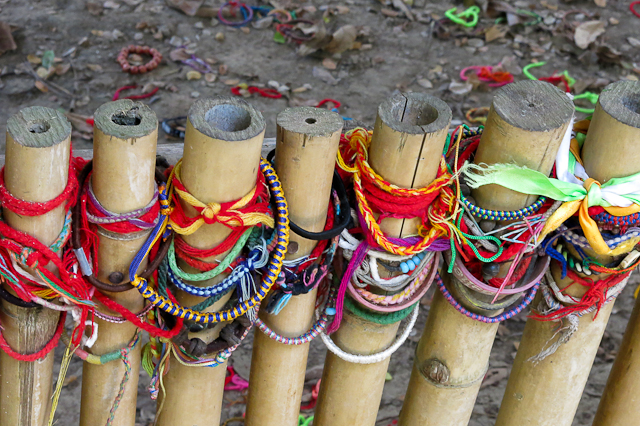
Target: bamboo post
(37,169)
(548,392)
(525,126)
(406,148)
(306,147)
(221,158)
(124,152)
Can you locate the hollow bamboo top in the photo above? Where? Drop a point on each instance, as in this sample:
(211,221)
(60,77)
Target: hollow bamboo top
(38,127)
(533,106)
(612,146)
(312,122)
(621,100)
(226,118)
(125,119)
(415,113)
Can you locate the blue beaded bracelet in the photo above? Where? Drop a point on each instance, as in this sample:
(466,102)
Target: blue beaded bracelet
(499,215)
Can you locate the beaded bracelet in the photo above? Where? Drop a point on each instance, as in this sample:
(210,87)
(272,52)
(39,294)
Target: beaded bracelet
(489,320)
(499,215)
(630,220)
(315,330)
(123,59)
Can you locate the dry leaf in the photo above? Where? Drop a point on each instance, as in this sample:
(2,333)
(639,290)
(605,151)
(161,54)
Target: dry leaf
(193,75)
(94,7)
(231,82)
(493,376)
(399,4)
(189,7)
(495,32)
(329,64)
(41,86)
(219,37)
(6,39)
(390,13)
(601,3)
(342,40)
(460,88)
(33,59)
(94,67)
(587,33)
(42,72)
(62,68)
(324,75)
(223,69)
(179,55)
(245,30)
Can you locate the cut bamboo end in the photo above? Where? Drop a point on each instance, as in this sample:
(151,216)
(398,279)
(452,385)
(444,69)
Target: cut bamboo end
(614,133)
(125,140)
(306,146)
(37,165)
(525,126)
(406,146)
(124,146)
(409,127)
(223,142)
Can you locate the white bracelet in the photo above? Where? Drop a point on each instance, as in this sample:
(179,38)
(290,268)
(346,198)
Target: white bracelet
(373,358)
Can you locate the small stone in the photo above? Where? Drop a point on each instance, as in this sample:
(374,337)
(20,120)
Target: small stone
(206,33)
(466,191)
(199,25)
(426,83)
(245,30)
(195,94)
(487,225)
(471,200)
(614,21)
(138,36)
(219,37)
(549,20)
(475,42)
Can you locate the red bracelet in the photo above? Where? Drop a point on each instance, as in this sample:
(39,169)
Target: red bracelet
(123,59)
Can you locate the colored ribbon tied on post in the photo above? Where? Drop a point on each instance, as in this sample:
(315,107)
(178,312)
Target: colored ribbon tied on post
(618,196)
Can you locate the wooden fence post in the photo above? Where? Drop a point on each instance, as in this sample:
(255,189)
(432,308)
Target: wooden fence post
(548,392)
(222,150)
(525,126)
(123,177)
(408,138)
(37,169)
(306,147)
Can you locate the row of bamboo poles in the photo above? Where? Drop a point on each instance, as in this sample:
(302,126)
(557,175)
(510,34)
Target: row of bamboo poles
(222,149)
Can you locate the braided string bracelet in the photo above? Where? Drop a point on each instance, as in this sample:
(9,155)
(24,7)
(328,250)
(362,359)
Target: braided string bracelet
(269,277)
(382,355)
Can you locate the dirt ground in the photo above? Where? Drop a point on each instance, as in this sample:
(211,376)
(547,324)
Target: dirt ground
(392,53)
